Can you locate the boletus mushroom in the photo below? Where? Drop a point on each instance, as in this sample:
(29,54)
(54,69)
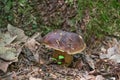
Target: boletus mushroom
(65,44)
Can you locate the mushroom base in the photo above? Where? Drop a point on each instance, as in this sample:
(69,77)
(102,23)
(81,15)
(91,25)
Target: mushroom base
(67,58)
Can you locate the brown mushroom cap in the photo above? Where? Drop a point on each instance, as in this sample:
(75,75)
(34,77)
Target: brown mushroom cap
(69,42)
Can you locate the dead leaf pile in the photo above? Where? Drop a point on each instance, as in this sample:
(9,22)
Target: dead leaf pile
(10,46)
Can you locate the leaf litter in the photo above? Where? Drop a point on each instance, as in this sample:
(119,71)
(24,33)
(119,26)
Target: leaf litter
(10,46)
(34,61)
(113,51)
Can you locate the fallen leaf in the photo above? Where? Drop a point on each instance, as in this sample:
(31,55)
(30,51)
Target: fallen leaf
(8,56)
(115,58)
(99,77)
(4,65)
(90,61)
(10,47)
(8,53)
(113,52)
(32,45)
(17,32)
(6,38)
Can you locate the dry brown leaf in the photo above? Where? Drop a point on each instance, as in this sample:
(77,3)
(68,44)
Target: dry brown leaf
(9,57)
(8,53)
(99,77)
(90,61)
(33,46)
(21,37)
(6,38)
(4,65)
(113,52)
(10,50)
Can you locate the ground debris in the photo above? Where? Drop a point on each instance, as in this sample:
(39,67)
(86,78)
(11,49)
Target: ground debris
(98,62)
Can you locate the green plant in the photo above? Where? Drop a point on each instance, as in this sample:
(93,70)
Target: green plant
(54,59)
(104,18)
(18,13)
(60,57)
(58,60)
(59,63)
(6,13)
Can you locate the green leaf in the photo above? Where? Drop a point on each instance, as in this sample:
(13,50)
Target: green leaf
(59,63)
(8,6)
(61,57)
(54,59)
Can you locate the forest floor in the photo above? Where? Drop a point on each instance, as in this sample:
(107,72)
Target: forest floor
(99,61)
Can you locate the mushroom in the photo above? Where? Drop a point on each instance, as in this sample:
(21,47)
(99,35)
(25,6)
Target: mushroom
(64,43)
